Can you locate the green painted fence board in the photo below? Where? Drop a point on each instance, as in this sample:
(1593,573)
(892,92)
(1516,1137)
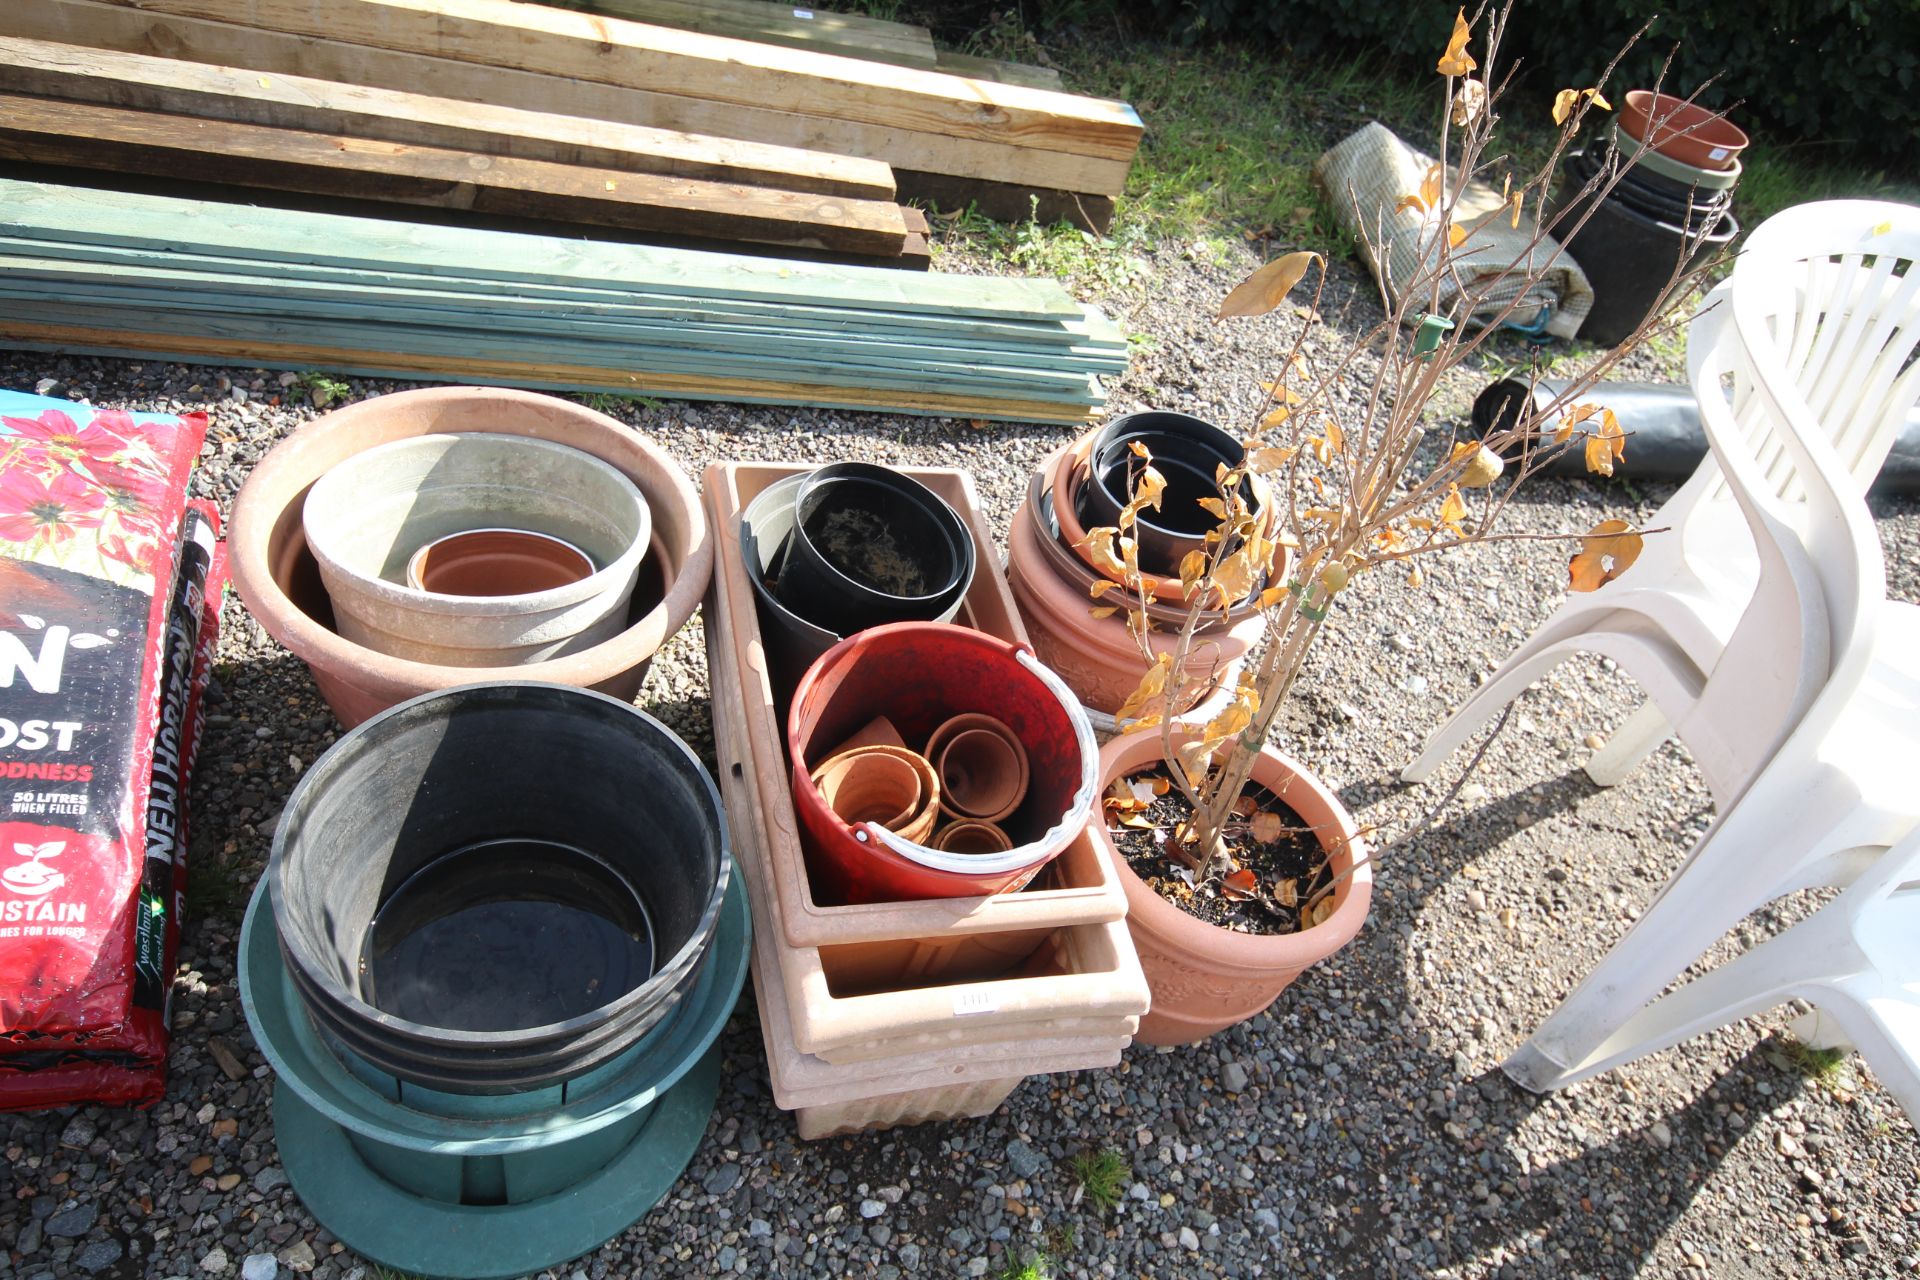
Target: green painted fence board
(286,235)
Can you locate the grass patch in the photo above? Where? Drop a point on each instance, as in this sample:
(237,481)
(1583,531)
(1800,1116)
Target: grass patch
(1102,1175)
(321,388)
(1035,1267)
(1819,1065)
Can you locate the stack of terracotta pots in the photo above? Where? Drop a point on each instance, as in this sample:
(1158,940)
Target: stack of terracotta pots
(1052,573)
(575,574)
(878,1009)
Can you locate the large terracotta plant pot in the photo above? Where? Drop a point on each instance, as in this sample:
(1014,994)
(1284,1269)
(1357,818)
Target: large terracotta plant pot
(277,577)
(1205,978)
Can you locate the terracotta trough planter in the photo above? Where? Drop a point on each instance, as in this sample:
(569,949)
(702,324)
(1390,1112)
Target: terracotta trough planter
(1072,891)
(1206,978)
(277,577)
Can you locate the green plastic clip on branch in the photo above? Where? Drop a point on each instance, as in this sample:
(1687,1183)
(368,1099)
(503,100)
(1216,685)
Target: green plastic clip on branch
(1426,339)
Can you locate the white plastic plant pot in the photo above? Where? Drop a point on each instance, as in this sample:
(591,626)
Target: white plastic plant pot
(366,519)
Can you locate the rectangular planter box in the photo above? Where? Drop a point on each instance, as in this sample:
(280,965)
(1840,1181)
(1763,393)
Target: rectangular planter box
(1079,889)
(867,1000)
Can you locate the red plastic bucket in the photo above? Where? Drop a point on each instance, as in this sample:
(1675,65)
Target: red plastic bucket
(919,675)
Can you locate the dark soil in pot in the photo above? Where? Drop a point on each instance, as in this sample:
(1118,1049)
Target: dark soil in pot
(1288,865)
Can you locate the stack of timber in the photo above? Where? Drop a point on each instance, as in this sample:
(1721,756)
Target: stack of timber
(849,34)
(145,276)
(131,113)
(949,138)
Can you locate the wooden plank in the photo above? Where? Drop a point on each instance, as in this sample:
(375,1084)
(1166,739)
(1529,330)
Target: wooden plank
(114,78)
(690,64)
(1006,201)
(280,235)
(156,343)
(963,64)
(103,24)
(850,35)
(151,142)
(1094,334)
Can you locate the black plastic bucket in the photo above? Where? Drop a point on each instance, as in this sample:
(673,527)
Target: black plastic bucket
(498,887)
(790,641)
(1629,256)
(871,546)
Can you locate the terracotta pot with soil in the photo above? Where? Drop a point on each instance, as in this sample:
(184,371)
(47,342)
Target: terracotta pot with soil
(1206,976)
(276,574)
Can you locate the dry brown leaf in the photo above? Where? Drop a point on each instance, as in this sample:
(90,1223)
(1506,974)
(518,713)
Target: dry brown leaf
(1320,911)
(1565,102)
(1266,826)
(1453,511)
(1233,577)
(1104,611)
(1268,287)
(1456,61)
(1150,687)
(1271,458)
(1414,203)
(1483,464)
(1272,596)
(1139,451)
(1287,892)
(1456,236)
(1469,102)
(1519,201)
(1432,185)
(1607,551)
(1277,416)
(1241,885)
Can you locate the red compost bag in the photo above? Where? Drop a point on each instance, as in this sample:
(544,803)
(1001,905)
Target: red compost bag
(109,599)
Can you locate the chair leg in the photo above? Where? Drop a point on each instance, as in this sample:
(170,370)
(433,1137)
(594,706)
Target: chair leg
(1642,734)
(1508,683)
(1818,1030)
(1740,863)
(1750,983)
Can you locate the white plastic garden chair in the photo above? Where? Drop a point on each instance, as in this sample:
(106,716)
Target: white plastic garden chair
(1856,960)
(1839,792)
(1670,619)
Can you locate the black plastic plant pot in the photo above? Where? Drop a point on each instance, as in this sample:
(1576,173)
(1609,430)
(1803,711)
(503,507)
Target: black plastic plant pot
(498,887)
(791,642)
(1188,452)
(1646,192)
(871,546)
(1630,256)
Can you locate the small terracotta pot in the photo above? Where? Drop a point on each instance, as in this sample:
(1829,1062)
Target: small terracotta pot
(870,786)
(1205,978)
(982,766)
(497,562)
(1690,134)
(877,732)
(276,575)
(968,836)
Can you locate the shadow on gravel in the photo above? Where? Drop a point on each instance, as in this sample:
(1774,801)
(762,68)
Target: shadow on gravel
(1533,1208)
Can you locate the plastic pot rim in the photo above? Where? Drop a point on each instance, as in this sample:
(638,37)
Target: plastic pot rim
(317,644)
(953,531)
(350,1102)
(1022,856)
(602,579)
(667,973)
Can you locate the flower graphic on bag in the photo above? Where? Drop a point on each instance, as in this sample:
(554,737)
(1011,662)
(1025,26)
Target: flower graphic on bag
(33,878)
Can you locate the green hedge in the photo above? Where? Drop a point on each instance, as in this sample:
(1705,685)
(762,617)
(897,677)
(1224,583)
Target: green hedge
(1844,73)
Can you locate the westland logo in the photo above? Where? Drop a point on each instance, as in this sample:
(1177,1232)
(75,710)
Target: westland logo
(33,878)
(43,669)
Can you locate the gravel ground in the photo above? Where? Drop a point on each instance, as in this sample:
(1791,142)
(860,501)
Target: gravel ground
(1360,1127)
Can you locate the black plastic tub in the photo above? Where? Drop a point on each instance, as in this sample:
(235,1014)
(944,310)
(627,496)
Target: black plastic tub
(869,546)
(498,887)
(1188,453)
(1629,256)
